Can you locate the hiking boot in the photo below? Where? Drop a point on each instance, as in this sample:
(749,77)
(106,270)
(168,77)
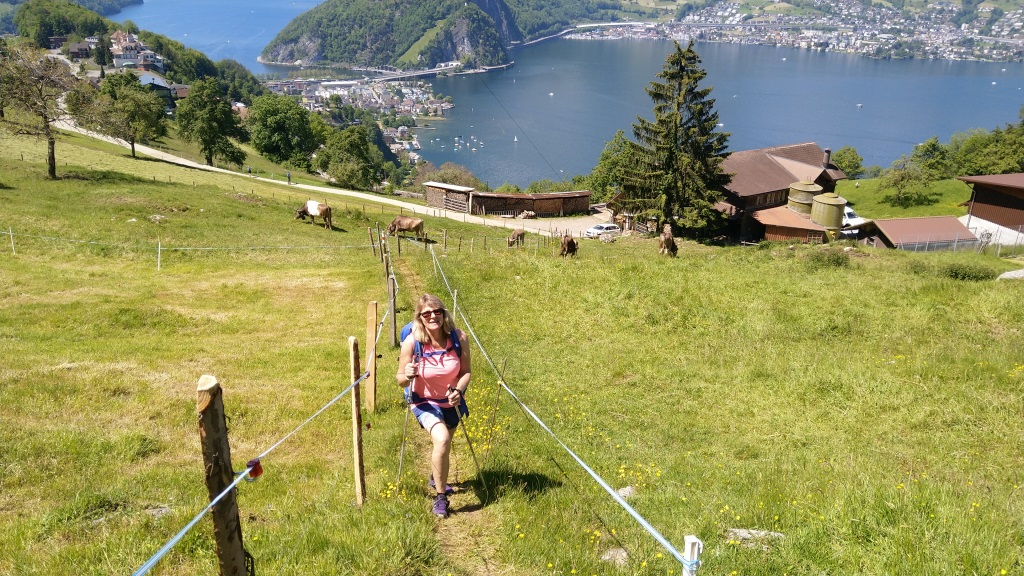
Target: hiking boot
(448,490)
(440,506)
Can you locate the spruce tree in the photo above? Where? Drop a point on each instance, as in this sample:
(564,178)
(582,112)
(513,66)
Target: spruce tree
(678,155)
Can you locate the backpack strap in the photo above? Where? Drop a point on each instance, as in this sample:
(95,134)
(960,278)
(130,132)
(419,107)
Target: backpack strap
(453,344)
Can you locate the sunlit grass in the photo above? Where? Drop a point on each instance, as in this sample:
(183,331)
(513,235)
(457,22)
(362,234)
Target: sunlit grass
(869,413)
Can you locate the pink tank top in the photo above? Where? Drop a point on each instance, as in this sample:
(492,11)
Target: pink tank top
(438,369)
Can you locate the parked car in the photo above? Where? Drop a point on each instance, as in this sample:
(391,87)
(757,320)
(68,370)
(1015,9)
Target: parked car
(850,218)
(597,230)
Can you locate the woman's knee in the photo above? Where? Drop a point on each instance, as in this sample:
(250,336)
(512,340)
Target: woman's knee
(440,436)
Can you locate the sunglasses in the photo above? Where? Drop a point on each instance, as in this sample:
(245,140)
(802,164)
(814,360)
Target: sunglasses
(429,313)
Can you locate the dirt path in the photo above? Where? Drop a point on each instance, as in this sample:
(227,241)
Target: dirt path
(467,536)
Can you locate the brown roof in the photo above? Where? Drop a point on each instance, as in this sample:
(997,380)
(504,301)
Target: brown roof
(924,229)
(786,218)
(1004,180)
(770,169)
(540,196)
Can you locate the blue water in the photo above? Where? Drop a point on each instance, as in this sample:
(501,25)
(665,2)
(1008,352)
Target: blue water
(564,99)
(221,28)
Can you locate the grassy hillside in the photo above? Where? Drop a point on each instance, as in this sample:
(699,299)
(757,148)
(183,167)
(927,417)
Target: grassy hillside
(867,409)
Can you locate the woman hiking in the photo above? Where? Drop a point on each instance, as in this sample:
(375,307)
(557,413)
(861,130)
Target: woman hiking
(434,366)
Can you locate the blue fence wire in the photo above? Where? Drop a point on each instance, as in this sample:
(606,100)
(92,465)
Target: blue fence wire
(155,558)
(688,564)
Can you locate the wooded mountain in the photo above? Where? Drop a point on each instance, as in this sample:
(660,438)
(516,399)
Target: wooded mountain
(426,32)
(104,7)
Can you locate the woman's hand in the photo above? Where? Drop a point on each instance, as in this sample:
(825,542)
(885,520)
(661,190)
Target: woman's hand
(454,396)
(410,371)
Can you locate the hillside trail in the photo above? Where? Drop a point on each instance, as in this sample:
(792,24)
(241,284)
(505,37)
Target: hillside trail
(468,536)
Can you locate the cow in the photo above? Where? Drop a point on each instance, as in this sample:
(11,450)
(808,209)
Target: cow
(407,224)
(667,244)
(312,208)
(569,246)
(516,237)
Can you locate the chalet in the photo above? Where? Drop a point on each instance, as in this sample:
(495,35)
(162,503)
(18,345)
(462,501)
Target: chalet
(761,180)
(78,50)
(160,87)
(466,199)
(922,234)
(997,206)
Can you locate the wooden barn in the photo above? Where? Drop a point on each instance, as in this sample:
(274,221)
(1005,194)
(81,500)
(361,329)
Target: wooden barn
(761,179)
(997,199)
(468,200)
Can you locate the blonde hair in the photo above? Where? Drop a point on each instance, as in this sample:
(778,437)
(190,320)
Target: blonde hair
(430,302)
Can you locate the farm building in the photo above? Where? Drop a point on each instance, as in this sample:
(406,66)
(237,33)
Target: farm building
(782,223)
(761,180)
(922,234)
(997,206)
(468,200)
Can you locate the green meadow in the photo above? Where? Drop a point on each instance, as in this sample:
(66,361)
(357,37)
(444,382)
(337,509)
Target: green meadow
(862,409)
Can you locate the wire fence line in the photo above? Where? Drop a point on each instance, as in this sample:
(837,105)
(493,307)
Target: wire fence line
(244,474)
(690,563)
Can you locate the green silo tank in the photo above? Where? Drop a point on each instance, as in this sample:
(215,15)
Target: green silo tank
(801,195)
(827,210)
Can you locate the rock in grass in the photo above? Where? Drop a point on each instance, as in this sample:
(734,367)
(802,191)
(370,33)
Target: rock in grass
(616,556)
(751,538)
(626,492)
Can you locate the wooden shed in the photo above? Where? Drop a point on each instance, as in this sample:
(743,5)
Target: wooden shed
(920,234)
(998,199)
(781,223)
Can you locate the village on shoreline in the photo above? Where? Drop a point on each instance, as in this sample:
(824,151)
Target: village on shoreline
(874,31)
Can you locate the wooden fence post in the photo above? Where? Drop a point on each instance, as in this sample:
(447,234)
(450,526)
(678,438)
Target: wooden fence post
(373,246)
(357,424)
(371,357)
(398,240)
(10,230)
(444,244)
(381,243)
(213,436)
(392,324)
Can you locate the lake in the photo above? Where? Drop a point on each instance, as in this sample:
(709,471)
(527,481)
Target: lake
(550,115)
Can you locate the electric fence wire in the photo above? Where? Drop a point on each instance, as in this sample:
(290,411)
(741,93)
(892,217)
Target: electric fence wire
(525,135)
(184,248)
(245,473)
(216,248)
(597,478)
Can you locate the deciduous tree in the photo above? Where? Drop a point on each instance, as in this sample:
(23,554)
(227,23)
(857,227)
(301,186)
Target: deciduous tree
(351,159)
(123,108)
(280,129)
(678,156)
(206,118)
(606,178)
(851,163)
(34,82)
(907,181)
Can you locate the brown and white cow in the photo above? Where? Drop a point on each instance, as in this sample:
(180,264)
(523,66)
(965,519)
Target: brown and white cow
(516,237)
(407,224)
(312,208)
(569,246)
(667,244)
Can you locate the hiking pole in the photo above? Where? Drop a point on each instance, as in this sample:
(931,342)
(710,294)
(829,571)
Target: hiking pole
(401,454)
(479,474)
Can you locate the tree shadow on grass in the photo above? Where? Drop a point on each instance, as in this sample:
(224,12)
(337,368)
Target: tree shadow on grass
(104,176)
(912,199)
(503,481)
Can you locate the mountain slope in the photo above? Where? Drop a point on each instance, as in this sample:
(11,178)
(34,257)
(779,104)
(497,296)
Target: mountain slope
(365,33)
